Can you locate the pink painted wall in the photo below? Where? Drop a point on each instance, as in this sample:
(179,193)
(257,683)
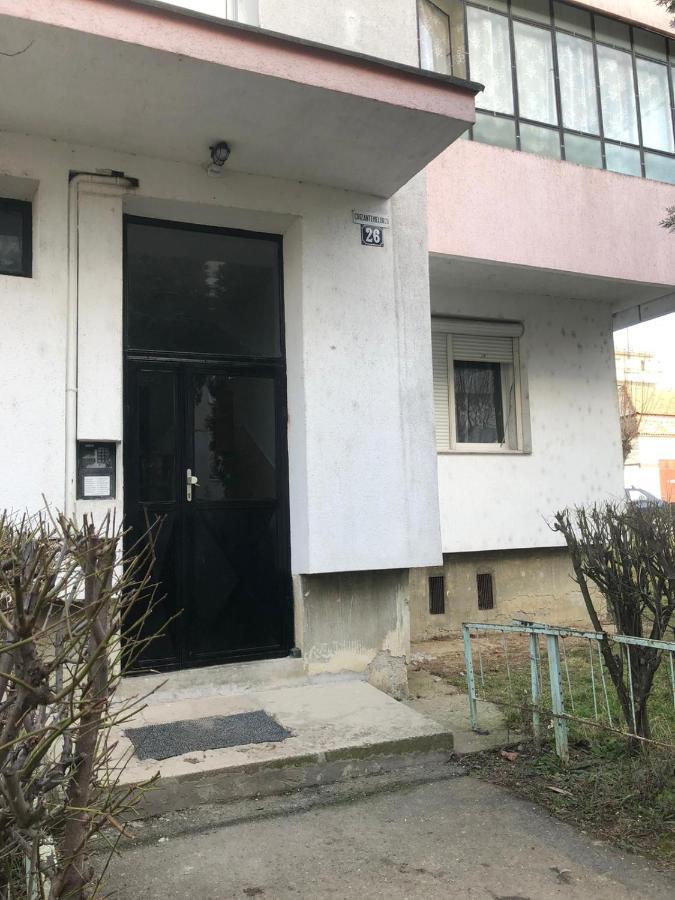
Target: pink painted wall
(503,205)
(253,51)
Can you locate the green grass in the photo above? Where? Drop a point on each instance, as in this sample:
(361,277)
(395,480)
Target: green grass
(515,698)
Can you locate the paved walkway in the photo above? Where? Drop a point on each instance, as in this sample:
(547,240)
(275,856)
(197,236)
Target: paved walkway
(454,838)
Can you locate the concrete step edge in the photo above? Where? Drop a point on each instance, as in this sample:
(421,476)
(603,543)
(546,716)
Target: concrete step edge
(272,777)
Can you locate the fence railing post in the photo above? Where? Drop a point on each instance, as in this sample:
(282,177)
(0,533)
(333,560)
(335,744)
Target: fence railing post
(470,678)
(534,681)
(557,701)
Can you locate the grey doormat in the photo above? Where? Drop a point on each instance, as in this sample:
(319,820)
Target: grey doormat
(176,738)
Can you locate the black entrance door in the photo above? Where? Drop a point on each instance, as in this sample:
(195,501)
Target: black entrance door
(205,445)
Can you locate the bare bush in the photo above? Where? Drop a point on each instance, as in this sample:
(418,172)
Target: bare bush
(65,591)
(628,552)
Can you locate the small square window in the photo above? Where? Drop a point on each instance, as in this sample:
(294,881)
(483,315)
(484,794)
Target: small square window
(495,130)
(16,238)
(542,141)
(583,150)
(623,159)
(479,401)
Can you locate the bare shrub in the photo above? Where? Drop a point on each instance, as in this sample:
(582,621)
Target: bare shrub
(628,552)
(64,593)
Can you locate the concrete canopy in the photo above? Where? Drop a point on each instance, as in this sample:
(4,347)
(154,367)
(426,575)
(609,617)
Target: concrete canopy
(154,82)
(629,301)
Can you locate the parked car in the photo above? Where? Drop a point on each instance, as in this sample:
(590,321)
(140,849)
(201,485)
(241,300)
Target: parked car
(640,497)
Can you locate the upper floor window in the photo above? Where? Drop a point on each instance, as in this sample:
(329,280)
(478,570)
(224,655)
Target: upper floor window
(16,238)
(245,11)
(560,81)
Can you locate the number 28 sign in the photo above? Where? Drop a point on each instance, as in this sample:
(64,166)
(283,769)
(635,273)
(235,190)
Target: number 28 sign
(372,236)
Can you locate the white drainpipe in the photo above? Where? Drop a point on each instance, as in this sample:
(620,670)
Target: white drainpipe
(96,183)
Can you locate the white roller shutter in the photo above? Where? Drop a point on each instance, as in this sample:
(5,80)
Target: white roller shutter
(439,358)
(482,348)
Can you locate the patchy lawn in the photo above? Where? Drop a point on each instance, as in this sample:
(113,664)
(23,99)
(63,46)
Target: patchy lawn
(607,791)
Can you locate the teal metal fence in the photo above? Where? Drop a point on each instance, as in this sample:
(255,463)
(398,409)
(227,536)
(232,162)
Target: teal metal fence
(563,678)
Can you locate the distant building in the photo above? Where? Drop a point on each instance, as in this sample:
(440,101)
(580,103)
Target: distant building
(650,464)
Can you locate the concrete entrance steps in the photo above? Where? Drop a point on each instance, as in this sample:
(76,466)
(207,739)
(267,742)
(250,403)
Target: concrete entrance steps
(339,731)
(233,678)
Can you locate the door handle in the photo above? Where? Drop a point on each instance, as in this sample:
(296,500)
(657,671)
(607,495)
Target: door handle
(190,482)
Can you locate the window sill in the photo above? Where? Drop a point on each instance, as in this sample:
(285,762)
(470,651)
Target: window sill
(480,451)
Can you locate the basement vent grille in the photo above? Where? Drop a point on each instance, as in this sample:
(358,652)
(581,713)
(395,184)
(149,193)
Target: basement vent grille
(436,595)
(486,594)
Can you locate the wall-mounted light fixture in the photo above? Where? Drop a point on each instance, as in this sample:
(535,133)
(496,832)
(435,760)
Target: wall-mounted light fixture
(220,153)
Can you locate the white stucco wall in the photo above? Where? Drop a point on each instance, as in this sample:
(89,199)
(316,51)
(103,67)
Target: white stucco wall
(504,501)
(363,491)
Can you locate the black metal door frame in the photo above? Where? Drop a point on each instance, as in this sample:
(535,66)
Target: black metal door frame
(184,365)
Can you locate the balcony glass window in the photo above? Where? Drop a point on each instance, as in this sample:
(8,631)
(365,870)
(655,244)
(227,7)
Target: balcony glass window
(617,90)
(434,38)
(653,90)
(490,58)
(534,65)
(578,96)
(560,81)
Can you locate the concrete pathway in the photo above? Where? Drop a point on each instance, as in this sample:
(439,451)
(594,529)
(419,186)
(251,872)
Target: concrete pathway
(433,697)
(454,838)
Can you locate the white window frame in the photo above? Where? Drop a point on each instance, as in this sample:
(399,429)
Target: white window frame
(245,11)
(518,441)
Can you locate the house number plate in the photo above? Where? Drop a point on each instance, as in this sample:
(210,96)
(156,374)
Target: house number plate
(372,236)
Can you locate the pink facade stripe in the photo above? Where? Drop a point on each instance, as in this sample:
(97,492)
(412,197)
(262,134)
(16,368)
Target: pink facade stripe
(548,214)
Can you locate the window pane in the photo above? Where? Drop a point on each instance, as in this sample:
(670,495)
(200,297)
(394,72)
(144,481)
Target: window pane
(247,12)
(490,59)
(623,159)
(611,31)
(202,292)
(571,18)
(655,115)
(157,435)
(534,67)
(478,403)
(618,95)
(234,437)
(543,141)
(577,84)
(649,43)
(499,5)
(11,241)
(660,168)
(15,237)
(434,38)
(457,38)
(583,150)
(494,130)
(536,10)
